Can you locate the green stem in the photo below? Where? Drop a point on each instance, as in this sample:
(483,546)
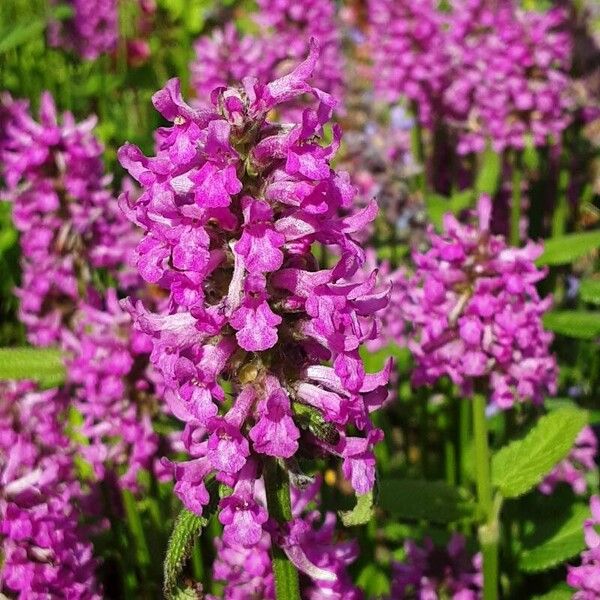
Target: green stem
(418,149)
(561,210)
(136,527)
(464,417)
(287,585)
(515,205)
(488,532)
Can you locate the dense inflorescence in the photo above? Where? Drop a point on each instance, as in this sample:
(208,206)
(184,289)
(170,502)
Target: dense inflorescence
(247,572)
(44,550)
(474,314)
(586,577)
(92,30)
(282,42)
(486,71)
(573,469)
(69,222)
(226,57)
(232,205)
(113,387)
(430,571)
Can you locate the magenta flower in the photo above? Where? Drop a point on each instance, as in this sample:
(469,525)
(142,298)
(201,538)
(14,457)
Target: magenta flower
(311,545)
(473,313)
(586,577)
(68,220)
(232,204)
(91,31)
(433,572)
(44,550)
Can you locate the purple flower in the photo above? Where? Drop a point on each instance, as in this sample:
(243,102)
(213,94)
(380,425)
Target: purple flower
(68,220)
(433,572)
(473,313)
(310,544)
(586,577)
(91,31)
(232,204)
(44,550)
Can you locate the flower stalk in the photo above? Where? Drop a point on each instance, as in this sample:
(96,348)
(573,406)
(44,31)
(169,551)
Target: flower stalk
(277,487)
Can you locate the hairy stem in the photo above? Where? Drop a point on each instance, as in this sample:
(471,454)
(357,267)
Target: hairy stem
(277,486)
(488,532)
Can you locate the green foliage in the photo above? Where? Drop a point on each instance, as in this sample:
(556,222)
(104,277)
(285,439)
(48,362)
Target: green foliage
(43,365)
(567,248)
(374,581)
(555,538)
(581,324)
(589,290)
(523,464)
(437,205)
(435,501)
(488,176)
(559,592)
(187,527)
(361,513)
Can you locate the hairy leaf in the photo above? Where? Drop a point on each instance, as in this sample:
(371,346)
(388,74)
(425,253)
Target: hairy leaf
(589,290)
(554,539)
(522,464)
(361,513)
(434,501)
(584,325)
(567,248)
(43,365)
(187,527)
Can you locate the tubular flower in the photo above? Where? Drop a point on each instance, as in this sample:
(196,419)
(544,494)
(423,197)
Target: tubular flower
(113,387)
(231,207)
(487,71)
(44,550)
(473,313)
(285,26)
(68,219)
(322,562)
(225,58)
(572,470)
(91,31)
(586,577)
(432,572)
(292,24)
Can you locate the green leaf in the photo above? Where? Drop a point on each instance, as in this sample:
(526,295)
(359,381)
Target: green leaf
(565,249)
(554,540)
(186,594)
(361,513)
(43,365)
(560,592)
(437,205)
(434,501)
(522,464)
(375,361)
(488,176)
(581,324)
(187,527)
(374,581)
(388,252)
(589,290)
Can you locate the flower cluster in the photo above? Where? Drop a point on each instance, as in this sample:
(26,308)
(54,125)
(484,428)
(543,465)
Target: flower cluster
(408,54)
(247,572)
(586,577)
(44,550)
(487,71)
(576,466)
(285,28)
(91,31)
(232,205)
(226,57)
(434,572)
(68,220)
(113,388)
(474,314)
